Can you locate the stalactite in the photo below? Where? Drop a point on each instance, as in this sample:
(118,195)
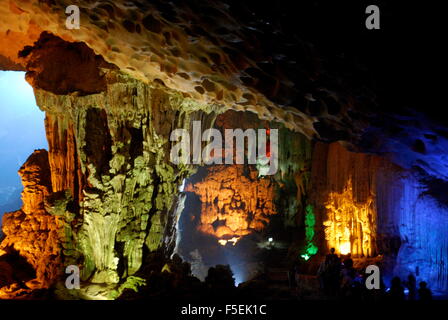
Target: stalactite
(64,162)
(113,148)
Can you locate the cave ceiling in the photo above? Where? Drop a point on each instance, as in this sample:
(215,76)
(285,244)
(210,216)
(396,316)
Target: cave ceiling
(275,59)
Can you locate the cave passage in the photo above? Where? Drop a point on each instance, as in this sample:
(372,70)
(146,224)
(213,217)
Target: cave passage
(22,130)
(226,213)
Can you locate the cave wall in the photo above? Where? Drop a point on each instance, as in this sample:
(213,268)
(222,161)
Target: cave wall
(382,210)
(125,182)
(415,224)
(234,197)
(108,171)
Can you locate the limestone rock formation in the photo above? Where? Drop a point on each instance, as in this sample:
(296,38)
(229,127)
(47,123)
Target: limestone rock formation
(366,205)
(234,202)
(344,188)
(109,175)
(126,189)
(32,231)
(106,197)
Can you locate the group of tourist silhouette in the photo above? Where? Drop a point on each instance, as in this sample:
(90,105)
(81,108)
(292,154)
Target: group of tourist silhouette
(338,277)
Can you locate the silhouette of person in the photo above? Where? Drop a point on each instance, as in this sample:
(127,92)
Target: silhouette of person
(348,261)
(396,290)
(331,258)
(411,284)
(424,293)
(332,272)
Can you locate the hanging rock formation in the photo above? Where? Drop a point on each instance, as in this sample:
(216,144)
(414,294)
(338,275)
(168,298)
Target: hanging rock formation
(122,177)
(108,169)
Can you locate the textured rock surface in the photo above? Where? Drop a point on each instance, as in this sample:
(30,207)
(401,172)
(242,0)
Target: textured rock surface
(213,51)
(110,150)
(33,232)
(234,202)
(379,208)
(243,56)
(115,89)
(344,189)
(142,39)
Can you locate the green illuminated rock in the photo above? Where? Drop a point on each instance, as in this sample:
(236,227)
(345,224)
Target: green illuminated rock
(124,183)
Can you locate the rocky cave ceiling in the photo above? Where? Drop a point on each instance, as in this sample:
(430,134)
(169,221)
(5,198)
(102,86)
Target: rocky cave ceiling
(258,57)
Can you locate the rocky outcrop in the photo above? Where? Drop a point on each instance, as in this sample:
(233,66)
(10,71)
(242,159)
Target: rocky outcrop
(33,232)
(234,202)
(344,189)
(111,152)
(79,69)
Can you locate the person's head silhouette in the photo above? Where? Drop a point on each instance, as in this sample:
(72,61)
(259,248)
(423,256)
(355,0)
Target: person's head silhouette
(332,250)
(396,282)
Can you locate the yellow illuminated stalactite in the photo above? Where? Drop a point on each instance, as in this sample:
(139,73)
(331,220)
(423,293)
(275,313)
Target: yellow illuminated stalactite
(350,226)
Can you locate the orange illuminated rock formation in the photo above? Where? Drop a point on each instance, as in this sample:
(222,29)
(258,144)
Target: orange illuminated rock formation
(350,226)
(235,202)
(32,231)
(66,173)
(344,190)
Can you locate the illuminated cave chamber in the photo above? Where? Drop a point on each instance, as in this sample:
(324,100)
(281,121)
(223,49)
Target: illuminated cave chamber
(233,202)
(234,215)
(106,196)
(370,207)
(224,216)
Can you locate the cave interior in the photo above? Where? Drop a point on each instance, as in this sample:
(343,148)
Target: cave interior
(361,148)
